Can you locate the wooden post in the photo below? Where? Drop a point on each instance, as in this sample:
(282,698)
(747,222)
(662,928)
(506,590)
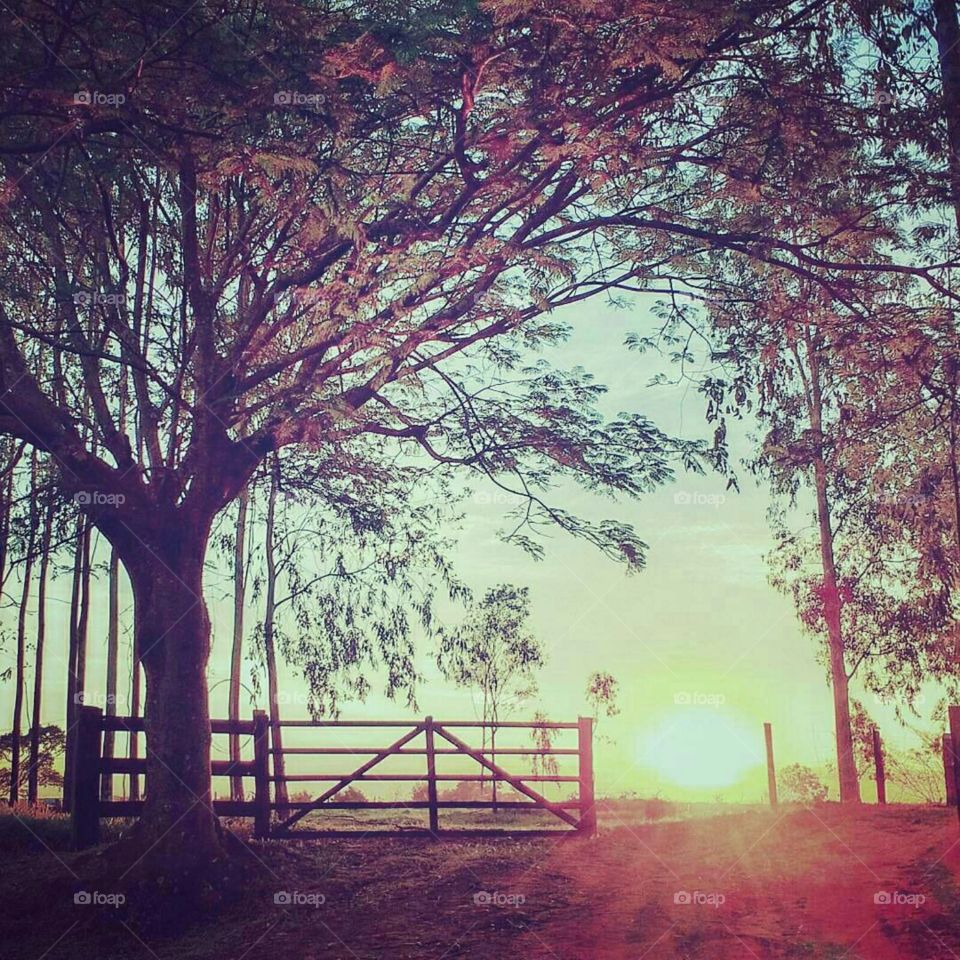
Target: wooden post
(771,768)
(948,775)
(954,715)
(261,761)
(879,766)
(431,776)
(588,810)
(85,802)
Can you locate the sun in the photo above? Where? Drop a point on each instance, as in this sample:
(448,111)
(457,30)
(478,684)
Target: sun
(700,747)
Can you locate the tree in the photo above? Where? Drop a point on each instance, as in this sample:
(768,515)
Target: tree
(52,742)
(367,249)
(36,729)
(493,652)
(16,777)
(800,784)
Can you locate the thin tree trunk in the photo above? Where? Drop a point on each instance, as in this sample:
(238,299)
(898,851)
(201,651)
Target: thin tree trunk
(73,687)
(276,737)
(846,761)
(33,778)
(7,513)
(113,652)
(236,658)
(22,638)
(133,790)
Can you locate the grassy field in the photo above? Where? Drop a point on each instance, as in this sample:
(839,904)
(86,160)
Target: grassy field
(821,883)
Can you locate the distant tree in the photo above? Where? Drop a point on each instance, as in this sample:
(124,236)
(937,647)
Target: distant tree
(52,743)
(493,653)
(351,794)
(800,784)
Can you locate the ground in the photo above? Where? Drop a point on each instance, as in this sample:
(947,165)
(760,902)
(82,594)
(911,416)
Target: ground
(818,883)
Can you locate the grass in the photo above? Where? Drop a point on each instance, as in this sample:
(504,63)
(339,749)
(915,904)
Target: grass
(797,884)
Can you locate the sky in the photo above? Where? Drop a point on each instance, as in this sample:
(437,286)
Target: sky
(704,649)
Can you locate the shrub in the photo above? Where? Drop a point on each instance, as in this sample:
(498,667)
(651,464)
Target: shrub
(799,783)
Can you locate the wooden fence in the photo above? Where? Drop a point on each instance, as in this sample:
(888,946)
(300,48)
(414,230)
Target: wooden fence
(88,808)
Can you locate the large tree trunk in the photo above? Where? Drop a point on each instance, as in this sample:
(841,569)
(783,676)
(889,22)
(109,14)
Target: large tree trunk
(236,655)
(846,760)
(173,641)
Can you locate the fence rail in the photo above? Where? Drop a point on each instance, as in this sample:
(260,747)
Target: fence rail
(91,766)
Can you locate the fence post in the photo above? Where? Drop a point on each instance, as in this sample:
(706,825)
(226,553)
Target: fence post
(261,762)
(948,776)
(771,768)
(588,810)
(431,776)
(85,803)
(954,715)
(879,767)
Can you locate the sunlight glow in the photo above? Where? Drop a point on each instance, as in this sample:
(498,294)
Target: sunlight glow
(700,747)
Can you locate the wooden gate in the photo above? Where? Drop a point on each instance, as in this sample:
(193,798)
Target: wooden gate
(274,819)
(438,740)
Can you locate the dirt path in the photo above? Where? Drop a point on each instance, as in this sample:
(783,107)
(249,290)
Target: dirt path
(821,883)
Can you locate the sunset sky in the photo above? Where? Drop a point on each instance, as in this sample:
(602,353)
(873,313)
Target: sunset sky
(705,650)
